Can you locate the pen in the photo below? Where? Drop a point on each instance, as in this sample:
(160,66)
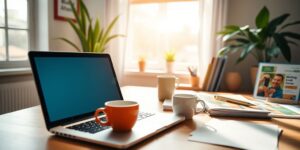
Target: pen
(231,100)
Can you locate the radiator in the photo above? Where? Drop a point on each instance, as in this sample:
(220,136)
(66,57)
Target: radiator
(17,95)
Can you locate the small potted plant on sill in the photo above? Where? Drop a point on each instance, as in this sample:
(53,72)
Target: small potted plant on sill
(266,41)
(170,58)
(142,63)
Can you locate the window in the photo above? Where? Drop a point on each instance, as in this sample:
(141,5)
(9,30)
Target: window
(14,30)
(157,27)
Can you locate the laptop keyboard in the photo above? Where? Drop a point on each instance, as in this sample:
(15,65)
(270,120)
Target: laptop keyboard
(143,115)
(93,127)
(90,127)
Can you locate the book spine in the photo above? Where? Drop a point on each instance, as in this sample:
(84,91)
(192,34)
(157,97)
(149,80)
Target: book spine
(207,75)
(214,65)
(220,77)
(216,74)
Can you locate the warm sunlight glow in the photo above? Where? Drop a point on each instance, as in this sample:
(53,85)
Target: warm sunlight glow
(159,27)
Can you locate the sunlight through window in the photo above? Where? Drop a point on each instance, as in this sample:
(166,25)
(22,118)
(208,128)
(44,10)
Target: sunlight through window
(155,28)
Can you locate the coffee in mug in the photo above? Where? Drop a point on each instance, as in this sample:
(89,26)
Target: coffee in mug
(120,115)
(186,104)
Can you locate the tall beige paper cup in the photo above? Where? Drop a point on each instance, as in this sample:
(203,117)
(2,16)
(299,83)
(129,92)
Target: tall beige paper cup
(165,86)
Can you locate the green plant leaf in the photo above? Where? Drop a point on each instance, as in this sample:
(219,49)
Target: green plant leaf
(97,47)
(244,30)
(96,31)
(283,45)
(100,35)
(247,49)
(71,43)
(263,35)
(232,27)
(291,35)
(91,38)
(273,51)
(223,51)
(230,48)
(74,11)
(230,35)
(245,41)
(262,18)
(229,29)
(290,24)
(252,37)
(271,28)
(239,40)
(83,20)
(82,5)
(79,33)
(108,30)
(111,37)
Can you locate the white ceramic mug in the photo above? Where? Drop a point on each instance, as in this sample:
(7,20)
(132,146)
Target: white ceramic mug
(165,86)
(186,104)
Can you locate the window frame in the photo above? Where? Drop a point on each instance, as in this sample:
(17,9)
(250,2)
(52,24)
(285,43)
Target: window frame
(8,64)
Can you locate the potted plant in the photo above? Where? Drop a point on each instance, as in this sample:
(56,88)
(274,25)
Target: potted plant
(142,63)
(170,58)
(93,37)
(266,41)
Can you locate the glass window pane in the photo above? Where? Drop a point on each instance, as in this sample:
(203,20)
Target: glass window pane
(17,13)
(2,45)
(18,44)
(2,16)
(160,27)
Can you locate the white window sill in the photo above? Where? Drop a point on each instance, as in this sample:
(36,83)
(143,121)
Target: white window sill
(15,71)
(154,73)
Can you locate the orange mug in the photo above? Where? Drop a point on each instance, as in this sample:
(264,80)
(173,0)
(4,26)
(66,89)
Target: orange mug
(120,115)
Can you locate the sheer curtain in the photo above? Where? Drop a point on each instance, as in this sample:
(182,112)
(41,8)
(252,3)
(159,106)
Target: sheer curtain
(214,15)
(117,46)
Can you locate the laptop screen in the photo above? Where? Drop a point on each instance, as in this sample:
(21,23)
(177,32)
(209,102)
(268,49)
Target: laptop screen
(73,86)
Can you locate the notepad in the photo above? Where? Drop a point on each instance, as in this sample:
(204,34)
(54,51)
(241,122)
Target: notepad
(238,134)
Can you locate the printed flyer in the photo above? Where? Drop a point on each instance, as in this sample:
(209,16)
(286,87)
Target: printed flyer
(279,81)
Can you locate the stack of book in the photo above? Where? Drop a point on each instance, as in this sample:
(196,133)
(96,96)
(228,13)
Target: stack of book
(214,74)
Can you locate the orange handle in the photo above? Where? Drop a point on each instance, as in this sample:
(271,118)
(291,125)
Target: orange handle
(99,110)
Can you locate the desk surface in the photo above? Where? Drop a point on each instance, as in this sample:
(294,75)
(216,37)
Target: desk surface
(25,129)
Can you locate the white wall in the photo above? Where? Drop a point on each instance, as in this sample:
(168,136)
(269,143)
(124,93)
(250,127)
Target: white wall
(243,12)
(59,28)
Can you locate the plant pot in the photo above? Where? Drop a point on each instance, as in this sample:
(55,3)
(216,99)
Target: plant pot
(253,72)
(194,80)
(142,65)
(170,67)
(233,81)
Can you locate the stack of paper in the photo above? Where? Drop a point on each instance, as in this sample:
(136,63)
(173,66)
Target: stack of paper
(223,108)
(238,134)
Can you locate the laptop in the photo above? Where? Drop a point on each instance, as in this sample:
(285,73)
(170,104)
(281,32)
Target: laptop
(71,86)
